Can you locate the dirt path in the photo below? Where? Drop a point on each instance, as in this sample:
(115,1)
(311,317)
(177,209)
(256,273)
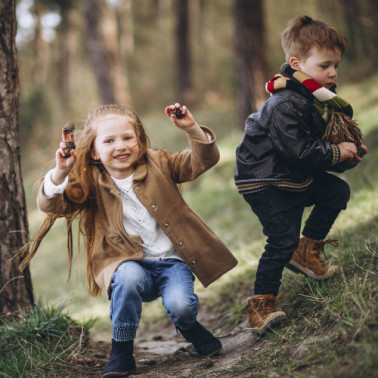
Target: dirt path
(167,356)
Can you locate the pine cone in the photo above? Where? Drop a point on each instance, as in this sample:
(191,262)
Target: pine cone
(68,129)
(177,113)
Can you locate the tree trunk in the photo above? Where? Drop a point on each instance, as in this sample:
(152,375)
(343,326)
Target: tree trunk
(184,66)
(251,64)
(15,287)
(126,28)
(40,48)
(66,36)
(104,47)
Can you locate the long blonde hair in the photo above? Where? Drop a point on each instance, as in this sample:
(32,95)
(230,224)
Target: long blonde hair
(79,191)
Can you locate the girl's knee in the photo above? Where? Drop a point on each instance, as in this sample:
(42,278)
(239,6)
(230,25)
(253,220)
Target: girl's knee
(181,306)
(129,275)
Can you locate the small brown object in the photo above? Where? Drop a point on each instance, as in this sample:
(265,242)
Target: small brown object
(68,129)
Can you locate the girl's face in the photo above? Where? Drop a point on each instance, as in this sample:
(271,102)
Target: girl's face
(116,144)
(321,65)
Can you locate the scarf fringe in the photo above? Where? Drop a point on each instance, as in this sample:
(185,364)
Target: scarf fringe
(335,111)
(342,128)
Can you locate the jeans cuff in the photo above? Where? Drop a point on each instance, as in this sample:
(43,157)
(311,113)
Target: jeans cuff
(124,333)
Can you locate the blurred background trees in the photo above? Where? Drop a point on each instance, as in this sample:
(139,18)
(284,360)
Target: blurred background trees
(74,55)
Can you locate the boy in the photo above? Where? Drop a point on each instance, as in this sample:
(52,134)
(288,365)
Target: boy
(282,163)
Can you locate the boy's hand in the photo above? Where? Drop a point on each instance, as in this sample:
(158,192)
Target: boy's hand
(64,164)
(183,119)
(348,151)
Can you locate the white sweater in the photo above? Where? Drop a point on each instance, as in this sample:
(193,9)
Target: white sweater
(136,219)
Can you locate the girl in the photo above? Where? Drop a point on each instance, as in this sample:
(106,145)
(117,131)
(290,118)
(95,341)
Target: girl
(142,240)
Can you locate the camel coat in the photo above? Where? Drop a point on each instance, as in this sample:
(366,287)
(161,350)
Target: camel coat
(155,183)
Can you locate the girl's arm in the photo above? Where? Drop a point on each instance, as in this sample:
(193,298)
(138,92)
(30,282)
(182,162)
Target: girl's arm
(183,119)
(203,153)
(63,164)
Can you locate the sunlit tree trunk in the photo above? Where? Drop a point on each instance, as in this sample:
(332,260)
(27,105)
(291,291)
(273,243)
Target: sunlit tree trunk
(251,64)
(15,287)
(126,27)
(103,43)
(67,38)
(183,53)
(40,47)
(360,18)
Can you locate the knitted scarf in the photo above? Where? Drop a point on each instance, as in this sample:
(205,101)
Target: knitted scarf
(335,111)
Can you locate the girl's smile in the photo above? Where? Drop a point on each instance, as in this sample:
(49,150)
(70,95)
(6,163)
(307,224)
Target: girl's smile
(116,145)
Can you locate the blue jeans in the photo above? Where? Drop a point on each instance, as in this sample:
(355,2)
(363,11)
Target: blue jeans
(280,213)
(135,282)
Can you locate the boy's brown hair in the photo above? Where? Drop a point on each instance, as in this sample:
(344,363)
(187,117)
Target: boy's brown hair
(303,33)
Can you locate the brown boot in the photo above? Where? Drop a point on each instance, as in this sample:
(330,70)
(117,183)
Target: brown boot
(263,312)
(306,259)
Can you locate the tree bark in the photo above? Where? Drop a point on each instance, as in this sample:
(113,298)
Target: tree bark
(15,287)
(104,47)
(251,64)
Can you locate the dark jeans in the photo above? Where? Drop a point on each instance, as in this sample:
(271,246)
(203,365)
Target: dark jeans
(280,213)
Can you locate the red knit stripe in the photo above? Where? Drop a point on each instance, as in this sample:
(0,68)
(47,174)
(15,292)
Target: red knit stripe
(311,85)
(270,86)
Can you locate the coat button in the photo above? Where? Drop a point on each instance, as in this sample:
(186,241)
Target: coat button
(166,224)
(194,262)
(181,243)
(153,207)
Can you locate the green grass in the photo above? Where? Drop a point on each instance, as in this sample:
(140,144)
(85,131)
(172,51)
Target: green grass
(331,329)
(38,340)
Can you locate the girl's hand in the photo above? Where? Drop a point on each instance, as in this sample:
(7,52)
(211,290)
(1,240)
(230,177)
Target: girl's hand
(63,164)
(185,121)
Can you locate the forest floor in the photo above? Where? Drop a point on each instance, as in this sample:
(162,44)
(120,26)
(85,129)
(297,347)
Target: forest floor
(167,354)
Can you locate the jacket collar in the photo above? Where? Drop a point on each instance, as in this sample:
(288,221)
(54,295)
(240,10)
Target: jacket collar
(105,180)
(141,169)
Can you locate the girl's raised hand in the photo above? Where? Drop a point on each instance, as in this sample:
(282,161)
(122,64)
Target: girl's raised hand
(64,163)
(183,119)
(180,116)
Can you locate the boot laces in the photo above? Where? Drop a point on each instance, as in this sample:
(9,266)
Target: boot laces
(318,248)
(267,304)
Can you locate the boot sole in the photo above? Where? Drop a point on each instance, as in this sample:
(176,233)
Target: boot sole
(271,320)
(115,374)
(215,353)
(292,265)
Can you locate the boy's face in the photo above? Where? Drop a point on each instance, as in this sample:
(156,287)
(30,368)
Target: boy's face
(321,65)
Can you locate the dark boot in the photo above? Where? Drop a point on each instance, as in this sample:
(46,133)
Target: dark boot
(121,362)
(203,341)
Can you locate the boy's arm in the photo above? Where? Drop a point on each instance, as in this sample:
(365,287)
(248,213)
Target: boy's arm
(292,138)
(349,157)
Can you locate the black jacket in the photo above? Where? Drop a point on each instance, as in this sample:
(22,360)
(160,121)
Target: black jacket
(282,145)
